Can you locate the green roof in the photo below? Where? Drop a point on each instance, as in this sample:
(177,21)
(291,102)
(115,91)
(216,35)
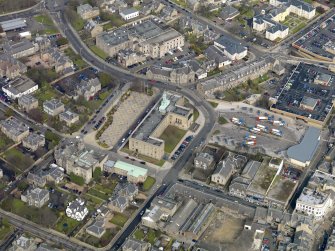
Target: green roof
(132,170)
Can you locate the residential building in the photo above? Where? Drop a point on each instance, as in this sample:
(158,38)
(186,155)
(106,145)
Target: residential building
(77,158)
(36,179)
(19,86)
(229,13)
(153,217)
(86,11)
(88,88)
(203,160)
(33,141)
(23,244)
(69,117)
(118,203)
(132,244)
(23,48)
(53,107)
(148,37)
(178,75)
(233,78)
(134,174)
(97,228)
(168,111)
(231,48)
(14,129)
(130,57)
(36,197)
(270,22)
(217,54)
(77,210)
(28,102)
(226,168)
(94,28)
(314,203)
(128,14)
(57,59)
(11,67)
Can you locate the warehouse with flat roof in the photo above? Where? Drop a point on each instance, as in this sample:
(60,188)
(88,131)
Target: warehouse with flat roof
(14,24)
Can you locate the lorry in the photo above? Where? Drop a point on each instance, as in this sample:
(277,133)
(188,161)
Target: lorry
(278,122)
(262,128)
(237,121)
(277,132)
(260,118)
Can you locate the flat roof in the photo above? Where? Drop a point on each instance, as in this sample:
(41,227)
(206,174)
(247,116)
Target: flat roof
(131,169)
(13,24)
(305,150)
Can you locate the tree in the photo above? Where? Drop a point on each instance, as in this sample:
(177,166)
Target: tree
(77,179)
(9,112)
(36,114)
(61,41)
(320,9)
(97,174)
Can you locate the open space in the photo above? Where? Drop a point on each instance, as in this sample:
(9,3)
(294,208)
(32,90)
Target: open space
(18,159)
(172,136)
(119,219)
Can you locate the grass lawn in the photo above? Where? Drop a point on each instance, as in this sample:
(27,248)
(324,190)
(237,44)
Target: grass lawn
(93,199)
(75,58)
(139,234)
(49,31)
(152,236)
(98,194)
(195,114)
(5,142)
(46,93)
(44,19)
(182,3)
(109,188)
(18,159)
(213,104)
(5,231)
(148,183)
(119,219)
(172,136)
(108,26)
(66,225)
(97,51)
(222,120)
(43,216)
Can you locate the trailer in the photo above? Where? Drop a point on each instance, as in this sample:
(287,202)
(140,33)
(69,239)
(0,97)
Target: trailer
(277,132)
(255,130)
(260,118)
(237,121)
(249,142)
(262,128)
(249,136)
(278,122)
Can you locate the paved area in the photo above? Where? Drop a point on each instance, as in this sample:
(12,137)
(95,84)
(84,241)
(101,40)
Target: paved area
(126,114)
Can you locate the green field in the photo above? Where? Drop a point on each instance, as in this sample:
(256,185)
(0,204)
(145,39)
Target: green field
(17,159)
(5,142)
(43,216)
(139,234)
(66,225)
(172,136)
(148,183)
(44,19)
(97,51)
(98,194)
(213,104)
(119,219)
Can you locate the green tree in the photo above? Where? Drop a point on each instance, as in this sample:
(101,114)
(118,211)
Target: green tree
(97,174)
(77,179)
(9,112)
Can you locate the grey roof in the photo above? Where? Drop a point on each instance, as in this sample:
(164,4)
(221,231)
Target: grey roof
(34,139)
(305,150)
(27,99)
(215,53)
(228,12)
(16,47)
(97,227)
(230,45)
(309,101)
(134,245)
(37,194)
(19,85)
(14,126)
(13,24)
(68,115)
(251,169)
(53,104)
(302,5)
(128,11)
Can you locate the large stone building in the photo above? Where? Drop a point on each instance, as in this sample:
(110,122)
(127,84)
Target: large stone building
(148,37)
(11,67)
(36,197)
(86,11)
(180,75)
(169,111)
(27,102)
(134,174)
(270,22)
(75,157)
(14,129)
(23,48)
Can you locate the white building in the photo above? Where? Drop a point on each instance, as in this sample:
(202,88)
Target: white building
(77,210)
(20,86)
(316,204)
(128,14)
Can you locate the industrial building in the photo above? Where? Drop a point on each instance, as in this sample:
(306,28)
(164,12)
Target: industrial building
(14,24)
(19,86)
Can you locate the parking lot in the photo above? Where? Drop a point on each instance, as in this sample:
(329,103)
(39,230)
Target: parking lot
(125,115)
(315,39)
(302,85)
(233,136)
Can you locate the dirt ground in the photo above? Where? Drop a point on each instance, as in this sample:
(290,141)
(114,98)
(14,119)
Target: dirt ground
(224,229)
